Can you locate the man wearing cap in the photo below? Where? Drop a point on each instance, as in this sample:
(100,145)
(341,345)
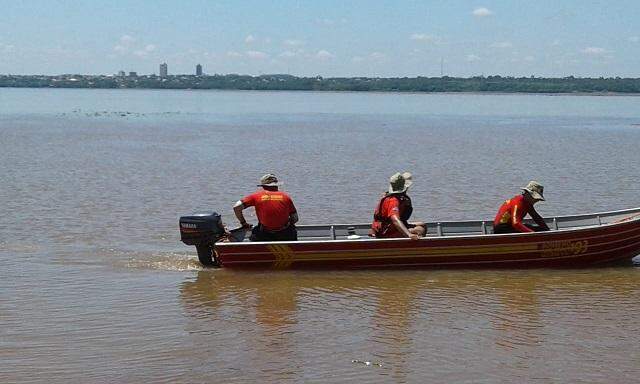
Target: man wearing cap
(512,211)
(391,217)
(275,210)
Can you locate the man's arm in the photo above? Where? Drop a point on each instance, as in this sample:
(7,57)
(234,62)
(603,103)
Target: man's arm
(237,209)
(516,222)
(293,212)
(538,219)
(402,228)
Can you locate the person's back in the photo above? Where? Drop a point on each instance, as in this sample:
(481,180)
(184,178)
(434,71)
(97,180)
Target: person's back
(275,210)
(511,213)
(272,208)
(391,216)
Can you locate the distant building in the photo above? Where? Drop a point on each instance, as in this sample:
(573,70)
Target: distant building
(133,74)
(198,70)
(121,73)
(163,70)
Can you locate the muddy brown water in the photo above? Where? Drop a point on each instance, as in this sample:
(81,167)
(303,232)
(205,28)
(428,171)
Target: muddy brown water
(96,287)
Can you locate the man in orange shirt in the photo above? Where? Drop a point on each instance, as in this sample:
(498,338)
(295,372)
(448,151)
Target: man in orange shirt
(275,210)
(512,211)
(391,217)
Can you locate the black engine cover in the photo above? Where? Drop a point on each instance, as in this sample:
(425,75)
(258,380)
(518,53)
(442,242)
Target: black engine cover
(201,228)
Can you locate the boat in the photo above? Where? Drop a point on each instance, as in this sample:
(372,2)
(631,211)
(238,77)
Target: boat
(573,241)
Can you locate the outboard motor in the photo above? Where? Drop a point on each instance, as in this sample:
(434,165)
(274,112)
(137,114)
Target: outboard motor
(202,230)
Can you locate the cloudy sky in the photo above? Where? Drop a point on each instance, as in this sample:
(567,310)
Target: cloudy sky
(328,38)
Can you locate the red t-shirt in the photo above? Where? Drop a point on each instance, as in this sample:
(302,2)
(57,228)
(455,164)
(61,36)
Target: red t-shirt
(390,207)
(512,212)
(273,208)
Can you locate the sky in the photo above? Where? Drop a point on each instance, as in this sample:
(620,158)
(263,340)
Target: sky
(552,38)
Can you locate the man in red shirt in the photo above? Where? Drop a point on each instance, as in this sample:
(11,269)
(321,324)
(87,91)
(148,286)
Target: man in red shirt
(391,217)
(275,210)
(512,211)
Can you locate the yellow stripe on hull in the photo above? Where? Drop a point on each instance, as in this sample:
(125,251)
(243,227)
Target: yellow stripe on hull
(284,255)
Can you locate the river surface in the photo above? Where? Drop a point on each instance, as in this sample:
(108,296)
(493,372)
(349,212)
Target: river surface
(95,286)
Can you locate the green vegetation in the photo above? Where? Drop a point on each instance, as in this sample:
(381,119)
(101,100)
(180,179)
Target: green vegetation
(359,84)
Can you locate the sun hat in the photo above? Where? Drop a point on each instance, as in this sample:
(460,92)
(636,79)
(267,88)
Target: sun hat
(269,180)
(400,182)
(535,189)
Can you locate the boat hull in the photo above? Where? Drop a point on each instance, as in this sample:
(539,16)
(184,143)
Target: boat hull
(582,247)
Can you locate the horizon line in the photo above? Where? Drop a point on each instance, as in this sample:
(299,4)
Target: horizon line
(136,74)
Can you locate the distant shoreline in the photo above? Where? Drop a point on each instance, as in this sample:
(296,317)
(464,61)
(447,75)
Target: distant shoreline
(470,93)
(496,85)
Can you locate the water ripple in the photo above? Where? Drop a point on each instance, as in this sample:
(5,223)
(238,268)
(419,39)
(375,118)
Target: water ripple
(95,285)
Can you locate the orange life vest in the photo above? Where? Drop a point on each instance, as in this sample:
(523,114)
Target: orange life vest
(405,209)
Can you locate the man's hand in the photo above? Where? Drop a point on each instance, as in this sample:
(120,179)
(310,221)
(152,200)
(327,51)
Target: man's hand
(413,236)
(246,225)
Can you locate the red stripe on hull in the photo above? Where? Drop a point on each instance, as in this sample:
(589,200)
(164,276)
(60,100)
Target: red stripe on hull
(574,248)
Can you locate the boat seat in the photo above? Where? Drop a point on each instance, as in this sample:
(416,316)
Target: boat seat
(574,222)
(332,232)
(461,228)
(314,232)
(343,231)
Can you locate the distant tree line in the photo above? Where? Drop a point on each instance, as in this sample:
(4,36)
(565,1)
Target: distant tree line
(358,84)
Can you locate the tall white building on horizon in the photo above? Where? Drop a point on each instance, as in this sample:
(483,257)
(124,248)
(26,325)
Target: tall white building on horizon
(164,70)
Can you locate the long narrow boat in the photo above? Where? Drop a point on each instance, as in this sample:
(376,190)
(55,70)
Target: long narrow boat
(574,241)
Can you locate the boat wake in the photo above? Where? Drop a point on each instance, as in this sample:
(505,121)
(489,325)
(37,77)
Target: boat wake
(166,261)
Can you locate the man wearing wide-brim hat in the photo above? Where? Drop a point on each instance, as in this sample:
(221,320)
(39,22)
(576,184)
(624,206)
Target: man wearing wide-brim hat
(275,210)
(391,216)
(512,212)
